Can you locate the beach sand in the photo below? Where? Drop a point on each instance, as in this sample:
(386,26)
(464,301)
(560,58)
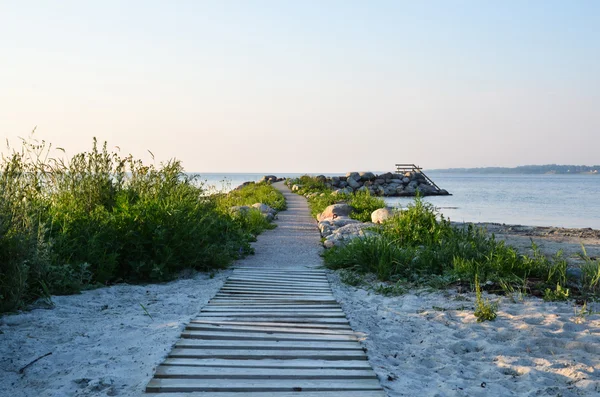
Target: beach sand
(422,343)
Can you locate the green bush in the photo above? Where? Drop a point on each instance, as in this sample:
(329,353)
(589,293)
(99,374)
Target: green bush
(99,218)
(421,246)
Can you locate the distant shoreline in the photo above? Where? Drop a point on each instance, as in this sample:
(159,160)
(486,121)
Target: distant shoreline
(550,169)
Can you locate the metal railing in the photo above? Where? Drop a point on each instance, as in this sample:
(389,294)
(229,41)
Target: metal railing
(402,168)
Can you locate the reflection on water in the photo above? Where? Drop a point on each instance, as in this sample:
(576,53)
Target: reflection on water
(540,200)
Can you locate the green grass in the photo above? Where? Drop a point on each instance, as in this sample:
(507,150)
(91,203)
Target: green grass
(97,218)
(421,246)
(363,203)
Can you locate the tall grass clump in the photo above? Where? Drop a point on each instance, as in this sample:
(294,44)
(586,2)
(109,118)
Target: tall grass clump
(419,245)
(320,196)
(98,218)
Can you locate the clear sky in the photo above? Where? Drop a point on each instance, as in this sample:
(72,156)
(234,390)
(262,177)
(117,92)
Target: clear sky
(307,86)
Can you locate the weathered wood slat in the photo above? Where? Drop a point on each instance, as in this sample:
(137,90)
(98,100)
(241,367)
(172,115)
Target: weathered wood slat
(271,354)
(286,319)
(270,336)
(275,385)
(245,328)
(211,307)
(181,372)
(281,364)
(188,343)
(345,326)
(362,393)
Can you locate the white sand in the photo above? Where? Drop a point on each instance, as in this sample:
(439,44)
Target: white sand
(533,348)
(102,342)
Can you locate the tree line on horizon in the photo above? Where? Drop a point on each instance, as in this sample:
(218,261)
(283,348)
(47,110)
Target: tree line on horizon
(529,169)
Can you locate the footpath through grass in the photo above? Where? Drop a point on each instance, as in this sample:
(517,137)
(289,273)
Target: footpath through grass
(100,218)
(320,197)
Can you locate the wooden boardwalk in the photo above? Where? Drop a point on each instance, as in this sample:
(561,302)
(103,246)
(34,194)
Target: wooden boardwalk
(270,331)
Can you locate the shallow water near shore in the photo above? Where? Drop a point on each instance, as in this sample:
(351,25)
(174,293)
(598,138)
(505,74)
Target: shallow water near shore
(536,200)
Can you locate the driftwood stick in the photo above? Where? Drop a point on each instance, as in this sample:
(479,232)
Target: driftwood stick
(34,361)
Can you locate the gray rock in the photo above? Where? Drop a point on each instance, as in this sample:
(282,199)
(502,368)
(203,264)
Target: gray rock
(353,183)
(347,233)
(382,214)
(239,210)
(366,176)
(342,184)
(335,210)
(379,181)
(335,181)
(406,180)
(425,189)
(352,175)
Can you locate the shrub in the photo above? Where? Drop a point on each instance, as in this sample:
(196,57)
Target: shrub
(97,218)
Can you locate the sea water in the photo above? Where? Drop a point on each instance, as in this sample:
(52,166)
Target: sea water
(536,200)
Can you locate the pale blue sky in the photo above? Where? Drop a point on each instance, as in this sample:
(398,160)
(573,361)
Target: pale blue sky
(307,86)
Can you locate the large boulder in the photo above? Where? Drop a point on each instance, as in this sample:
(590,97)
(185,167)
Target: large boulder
(382,214)
(347,233)
(425,189)
(366,176)
(334,211)
(295,188)
(353,175)
(269,179)
(328,226)
(353,183)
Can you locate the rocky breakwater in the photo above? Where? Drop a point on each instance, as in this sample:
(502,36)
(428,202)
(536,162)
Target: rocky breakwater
(388,184)
(337,228)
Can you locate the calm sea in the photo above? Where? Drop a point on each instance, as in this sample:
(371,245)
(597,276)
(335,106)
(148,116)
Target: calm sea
(537,200)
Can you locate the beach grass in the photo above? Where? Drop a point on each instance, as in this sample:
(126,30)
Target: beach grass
(421,247)
(98,218)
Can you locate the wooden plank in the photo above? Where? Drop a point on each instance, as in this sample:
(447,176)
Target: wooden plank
(288,319)
(251,354)
(268,364)
(271,309)
(280,278)
(188,343)
(271,336)
(275,313)
(275,324)
(211,307)
(181,372)
(362,393)
(315,280)
(277,286)
(261,385)
(234,292)
(273,300)
(260,329)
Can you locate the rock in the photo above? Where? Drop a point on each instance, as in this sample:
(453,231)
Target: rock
(342,184)
(352,175)
(406,180)
(335,210)
(266,211)
(396,181)
(347,233)
(354,184)
(366,176)
(321,178)
(239,210)
(269,179)
(295,188)
(413,184)
(387,175)
(425,189)
(378,190)
(379,181)
(382,214)
(335,181)
(362,189)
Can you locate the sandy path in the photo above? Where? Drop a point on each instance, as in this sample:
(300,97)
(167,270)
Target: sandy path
(296,242)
